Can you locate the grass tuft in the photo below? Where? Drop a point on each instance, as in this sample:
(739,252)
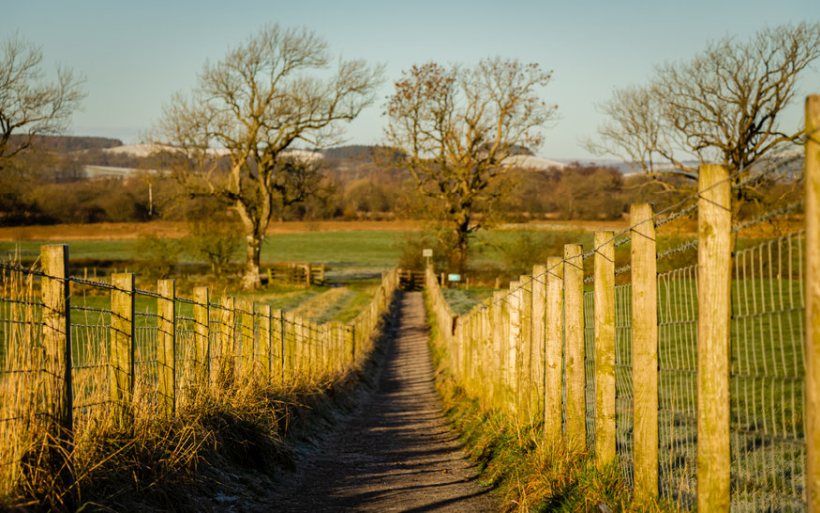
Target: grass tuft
(528,474)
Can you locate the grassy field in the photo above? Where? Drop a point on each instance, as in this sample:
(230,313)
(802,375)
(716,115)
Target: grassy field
(347,248)
(767,375)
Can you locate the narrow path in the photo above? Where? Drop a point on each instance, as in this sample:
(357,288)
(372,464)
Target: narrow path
(397,453)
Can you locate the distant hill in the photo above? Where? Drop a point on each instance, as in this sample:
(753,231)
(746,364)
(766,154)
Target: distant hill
(525,161)
(68,143)
(361,152)
(350,152)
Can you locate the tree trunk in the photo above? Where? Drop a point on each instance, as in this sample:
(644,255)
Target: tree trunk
(458,257)
(253,253)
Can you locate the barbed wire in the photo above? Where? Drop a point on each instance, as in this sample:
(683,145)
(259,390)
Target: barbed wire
(80,308)
(20,269)
(681,248)
(742,177)
(767,216)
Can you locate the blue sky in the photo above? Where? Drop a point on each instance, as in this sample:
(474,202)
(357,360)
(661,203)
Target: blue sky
(135,55)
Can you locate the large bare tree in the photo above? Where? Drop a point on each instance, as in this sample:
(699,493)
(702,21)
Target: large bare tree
(250,108)
(458,126)
(31,105)
(724,105)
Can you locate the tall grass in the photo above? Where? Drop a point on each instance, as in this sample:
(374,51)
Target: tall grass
(133,456)
(529,474)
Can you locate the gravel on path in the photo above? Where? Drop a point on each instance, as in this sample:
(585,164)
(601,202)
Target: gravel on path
(397,452)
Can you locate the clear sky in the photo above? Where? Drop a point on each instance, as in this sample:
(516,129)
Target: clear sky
(136,54)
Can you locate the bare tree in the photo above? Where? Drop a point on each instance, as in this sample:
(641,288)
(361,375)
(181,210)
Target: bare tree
(458,126)
(250,108)
(30,105)
(723,105)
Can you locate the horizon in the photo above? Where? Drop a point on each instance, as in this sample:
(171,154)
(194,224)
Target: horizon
(130,76)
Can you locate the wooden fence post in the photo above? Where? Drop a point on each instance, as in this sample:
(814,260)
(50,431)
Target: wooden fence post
(812,177)
(497,324)
(604,300)
(227,340)
(352,344)
(539,311)
(574,345)
(644,351)
(202,323)
(245,339)
(122,341)
(265,354)
(553,350)
(300,347)
(57,333)
(166,345)
(714,319)
(514,303)
(280,315)
(525,381)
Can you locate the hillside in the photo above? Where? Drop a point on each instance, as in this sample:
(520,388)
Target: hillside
(67,143)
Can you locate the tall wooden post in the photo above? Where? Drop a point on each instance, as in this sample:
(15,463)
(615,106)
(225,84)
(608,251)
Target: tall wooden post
(644,351)
(202,330)
(245,340)
(812,177)
(280,316)
(352,331)
(166,345)
(497,323)
(604,298)
(574,345)
(514,302)
(227,339)
(714,318)
(57,333)
(539,311)
(122,340)
(525,351)
(265,356)
(553,350)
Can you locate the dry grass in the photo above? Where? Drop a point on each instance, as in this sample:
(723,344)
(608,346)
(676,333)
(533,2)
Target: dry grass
(175,230)
(131,456)
(529,474)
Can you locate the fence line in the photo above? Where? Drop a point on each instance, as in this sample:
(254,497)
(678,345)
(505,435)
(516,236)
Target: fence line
(74,351)
(696,366)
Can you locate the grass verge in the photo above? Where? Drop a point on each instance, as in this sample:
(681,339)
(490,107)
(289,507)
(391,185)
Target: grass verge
(221,451)
(527,473)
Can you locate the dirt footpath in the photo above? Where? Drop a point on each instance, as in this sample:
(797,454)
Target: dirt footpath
(397,453)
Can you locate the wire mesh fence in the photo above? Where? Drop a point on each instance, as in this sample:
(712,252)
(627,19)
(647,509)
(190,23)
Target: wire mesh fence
(677,368)
(126,349)
(623,379)
(768,376)
(589,366)
(766,348)
(21,370)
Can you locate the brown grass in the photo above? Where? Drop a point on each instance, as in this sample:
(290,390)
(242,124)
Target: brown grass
(171,229)
(132,456)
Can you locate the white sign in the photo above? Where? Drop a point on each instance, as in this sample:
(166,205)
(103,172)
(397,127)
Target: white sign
(427,253)
(453,277)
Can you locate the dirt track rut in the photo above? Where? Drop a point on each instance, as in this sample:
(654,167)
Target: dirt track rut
(397,453)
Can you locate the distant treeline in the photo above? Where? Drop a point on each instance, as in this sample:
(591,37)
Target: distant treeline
(66,143)
(48,186)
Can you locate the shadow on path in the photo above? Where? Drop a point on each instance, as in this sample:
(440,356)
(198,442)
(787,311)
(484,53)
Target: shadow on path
(397,453)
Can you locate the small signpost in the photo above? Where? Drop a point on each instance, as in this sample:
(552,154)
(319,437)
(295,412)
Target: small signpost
(427,253)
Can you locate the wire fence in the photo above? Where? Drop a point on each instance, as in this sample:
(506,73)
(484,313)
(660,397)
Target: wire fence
(765,379)
(768,376)
(125,349)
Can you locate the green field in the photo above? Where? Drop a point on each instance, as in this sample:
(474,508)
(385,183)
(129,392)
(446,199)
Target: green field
(353,249)
(371,249)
